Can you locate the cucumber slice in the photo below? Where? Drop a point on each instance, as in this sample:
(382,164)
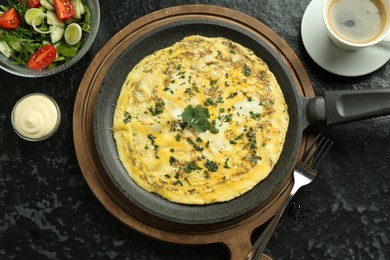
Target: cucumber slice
(16,46)
(52,2)
(81,7)
(5,49)
(78,8)
(45,42)
(34,14)
(47,5)
(56,34)
(53,20)
(73,34)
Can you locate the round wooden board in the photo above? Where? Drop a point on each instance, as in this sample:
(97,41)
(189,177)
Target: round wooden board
(106,192)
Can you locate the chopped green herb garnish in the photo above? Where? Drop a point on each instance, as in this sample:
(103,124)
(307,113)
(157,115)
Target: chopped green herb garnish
(226,165)
(213,127)
(158,108)
(212,102)
(225,118)
(126,117)
(209,102)
(255,159)
(213,82)
(195,145)
(152,141)
(178,183)
(232,95)
(251,136)
(234,141)
(246,71)
(191,167)
(172,160)
(254,115)
(211,165)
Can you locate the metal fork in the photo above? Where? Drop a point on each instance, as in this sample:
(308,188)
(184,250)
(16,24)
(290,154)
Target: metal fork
(304,174)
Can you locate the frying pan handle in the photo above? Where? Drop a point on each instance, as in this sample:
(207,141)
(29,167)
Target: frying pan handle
(351,105)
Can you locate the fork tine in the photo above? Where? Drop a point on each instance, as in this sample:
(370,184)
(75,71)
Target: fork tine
(316,151)
(309,149)
(321,153)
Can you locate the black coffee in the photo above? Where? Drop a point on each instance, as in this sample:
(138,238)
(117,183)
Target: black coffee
(357,21)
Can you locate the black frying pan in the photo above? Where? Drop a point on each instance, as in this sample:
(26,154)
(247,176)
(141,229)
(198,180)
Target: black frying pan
(333,108)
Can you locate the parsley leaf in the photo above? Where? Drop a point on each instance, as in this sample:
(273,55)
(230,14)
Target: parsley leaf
(196,117)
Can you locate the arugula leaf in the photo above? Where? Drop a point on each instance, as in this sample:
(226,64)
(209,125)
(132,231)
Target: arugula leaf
(86,23)
(67,50)
(196,117)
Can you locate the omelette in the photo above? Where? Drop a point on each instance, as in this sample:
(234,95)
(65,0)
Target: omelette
(200,122)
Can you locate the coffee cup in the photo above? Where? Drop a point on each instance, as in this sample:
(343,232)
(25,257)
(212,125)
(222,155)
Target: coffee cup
(356,24)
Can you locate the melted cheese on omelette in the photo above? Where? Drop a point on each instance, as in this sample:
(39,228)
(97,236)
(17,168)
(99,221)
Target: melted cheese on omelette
(200,122)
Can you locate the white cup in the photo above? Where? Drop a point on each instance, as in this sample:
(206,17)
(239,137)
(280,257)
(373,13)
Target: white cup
(350,23)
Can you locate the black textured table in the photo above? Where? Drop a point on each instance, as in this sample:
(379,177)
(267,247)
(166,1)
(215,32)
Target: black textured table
(47,210)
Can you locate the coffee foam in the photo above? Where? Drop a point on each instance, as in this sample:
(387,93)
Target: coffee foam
(357,21)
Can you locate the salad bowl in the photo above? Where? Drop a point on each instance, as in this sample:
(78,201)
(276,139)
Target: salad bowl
(11,64)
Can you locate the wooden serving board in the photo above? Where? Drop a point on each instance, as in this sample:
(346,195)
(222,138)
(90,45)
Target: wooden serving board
(107,193)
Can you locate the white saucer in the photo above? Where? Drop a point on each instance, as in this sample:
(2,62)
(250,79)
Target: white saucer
(328,56)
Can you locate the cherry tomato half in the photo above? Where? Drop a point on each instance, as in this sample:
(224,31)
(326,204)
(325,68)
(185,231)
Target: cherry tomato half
(64,9)
(10,19)
(32,3)
(42,57)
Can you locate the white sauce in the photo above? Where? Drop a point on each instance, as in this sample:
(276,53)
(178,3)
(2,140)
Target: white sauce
(35,117)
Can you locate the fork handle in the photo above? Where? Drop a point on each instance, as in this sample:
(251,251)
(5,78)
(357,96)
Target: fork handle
(262,241)
(260,244)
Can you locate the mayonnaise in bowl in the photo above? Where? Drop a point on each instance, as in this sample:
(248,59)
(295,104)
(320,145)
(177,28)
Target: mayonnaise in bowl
(35,117)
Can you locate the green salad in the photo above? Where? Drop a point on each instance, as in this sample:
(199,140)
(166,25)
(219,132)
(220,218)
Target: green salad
(42,34)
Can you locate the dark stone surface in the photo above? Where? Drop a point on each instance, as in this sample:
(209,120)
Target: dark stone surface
(47,210)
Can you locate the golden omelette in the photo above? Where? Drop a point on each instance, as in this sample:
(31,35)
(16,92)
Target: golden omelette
(200,122)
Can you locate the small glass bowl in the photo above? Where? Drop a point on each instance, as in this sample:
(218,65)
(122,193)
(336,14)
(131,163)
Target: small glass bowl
(8,65)
(48,134)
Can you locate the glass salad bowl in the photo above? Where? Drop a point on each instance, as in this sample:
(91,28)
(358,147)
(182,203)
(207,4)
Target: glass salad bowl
(10,65)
